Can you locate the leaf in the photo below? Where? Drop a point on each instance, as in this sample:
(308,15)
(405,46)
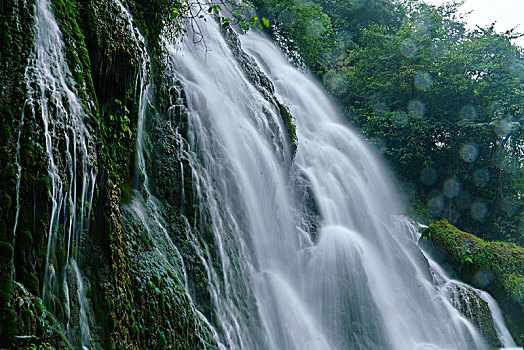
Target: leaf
(265,22)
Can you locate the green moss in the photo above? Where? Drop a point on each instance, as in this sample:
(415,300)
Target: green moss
(26,153)
(25,237)
(32,284)
(4,156)
(43,183)
(290,127)
(125,191)
(161,304)
(497,267)
(67,13)
(5,133)
(134,330)
(7,316)
(419,211)
(8,329)
(5,37)
(162,342)
(112,323)
(6,285)
(39,308)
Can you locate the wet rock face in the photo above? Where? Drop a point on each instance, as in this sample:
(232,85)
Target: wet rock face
(262,83)
(469,303)
(115,285)
(170,169)
(34,322)
(162,313)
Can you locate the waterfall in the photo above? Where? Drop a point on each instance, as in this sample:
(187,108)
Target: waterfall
(342,272)
(298,234)
(53,100)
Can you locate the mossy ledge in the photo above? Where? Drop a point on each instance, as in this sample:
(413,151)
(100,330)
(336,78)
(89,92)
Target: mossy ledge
(496,267)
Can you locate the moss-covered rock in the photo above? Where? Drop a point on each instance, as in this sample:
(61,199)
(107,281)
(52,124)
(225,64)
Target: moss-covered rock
(36,326)
(7,321)
(469,303)
(496,267)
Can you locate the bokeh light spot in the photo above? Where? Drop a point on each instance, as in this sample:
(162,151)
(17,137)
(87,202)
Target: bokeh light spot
(503,127)
(315,28)
(428,176)
(420,31)
(468,113)
(451,188)
(481,177)
(484,278)
(400,118)
(479,210)
(510,205)
(439,49)
(469,152)
(435,204)
(416,109)
(344,39)
(423,81)
(380,107)
(335,83)
(496,110)
(408,47)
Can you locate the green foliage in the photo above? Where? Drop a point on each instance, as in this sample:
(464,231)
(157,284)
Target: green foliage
(302,29)
(443,105)
(6,289)
(43,346)
(116,125)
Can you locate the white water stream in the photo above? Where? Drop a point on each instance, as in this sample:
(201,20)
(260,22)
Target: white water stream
(71,168)
(360,282)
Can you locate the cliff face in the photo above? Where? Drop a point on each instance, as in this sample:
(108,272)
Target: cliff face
(123,299)
(80,227)
(496,267)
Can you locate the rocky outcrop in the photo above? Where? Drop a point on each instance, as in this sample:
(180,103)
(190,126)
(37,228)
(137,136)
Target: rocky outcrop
(262,83)
(470,304)
(496,267)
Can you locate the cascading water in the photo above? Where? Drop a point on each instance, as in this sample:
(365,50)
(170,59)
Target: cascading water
(355,278)
(71,168)
(307,250)
(144,204)
(144,207)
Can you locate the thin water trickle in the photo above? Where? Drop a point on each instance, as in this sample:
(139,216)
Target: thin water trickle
(70,166)
(17,188)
